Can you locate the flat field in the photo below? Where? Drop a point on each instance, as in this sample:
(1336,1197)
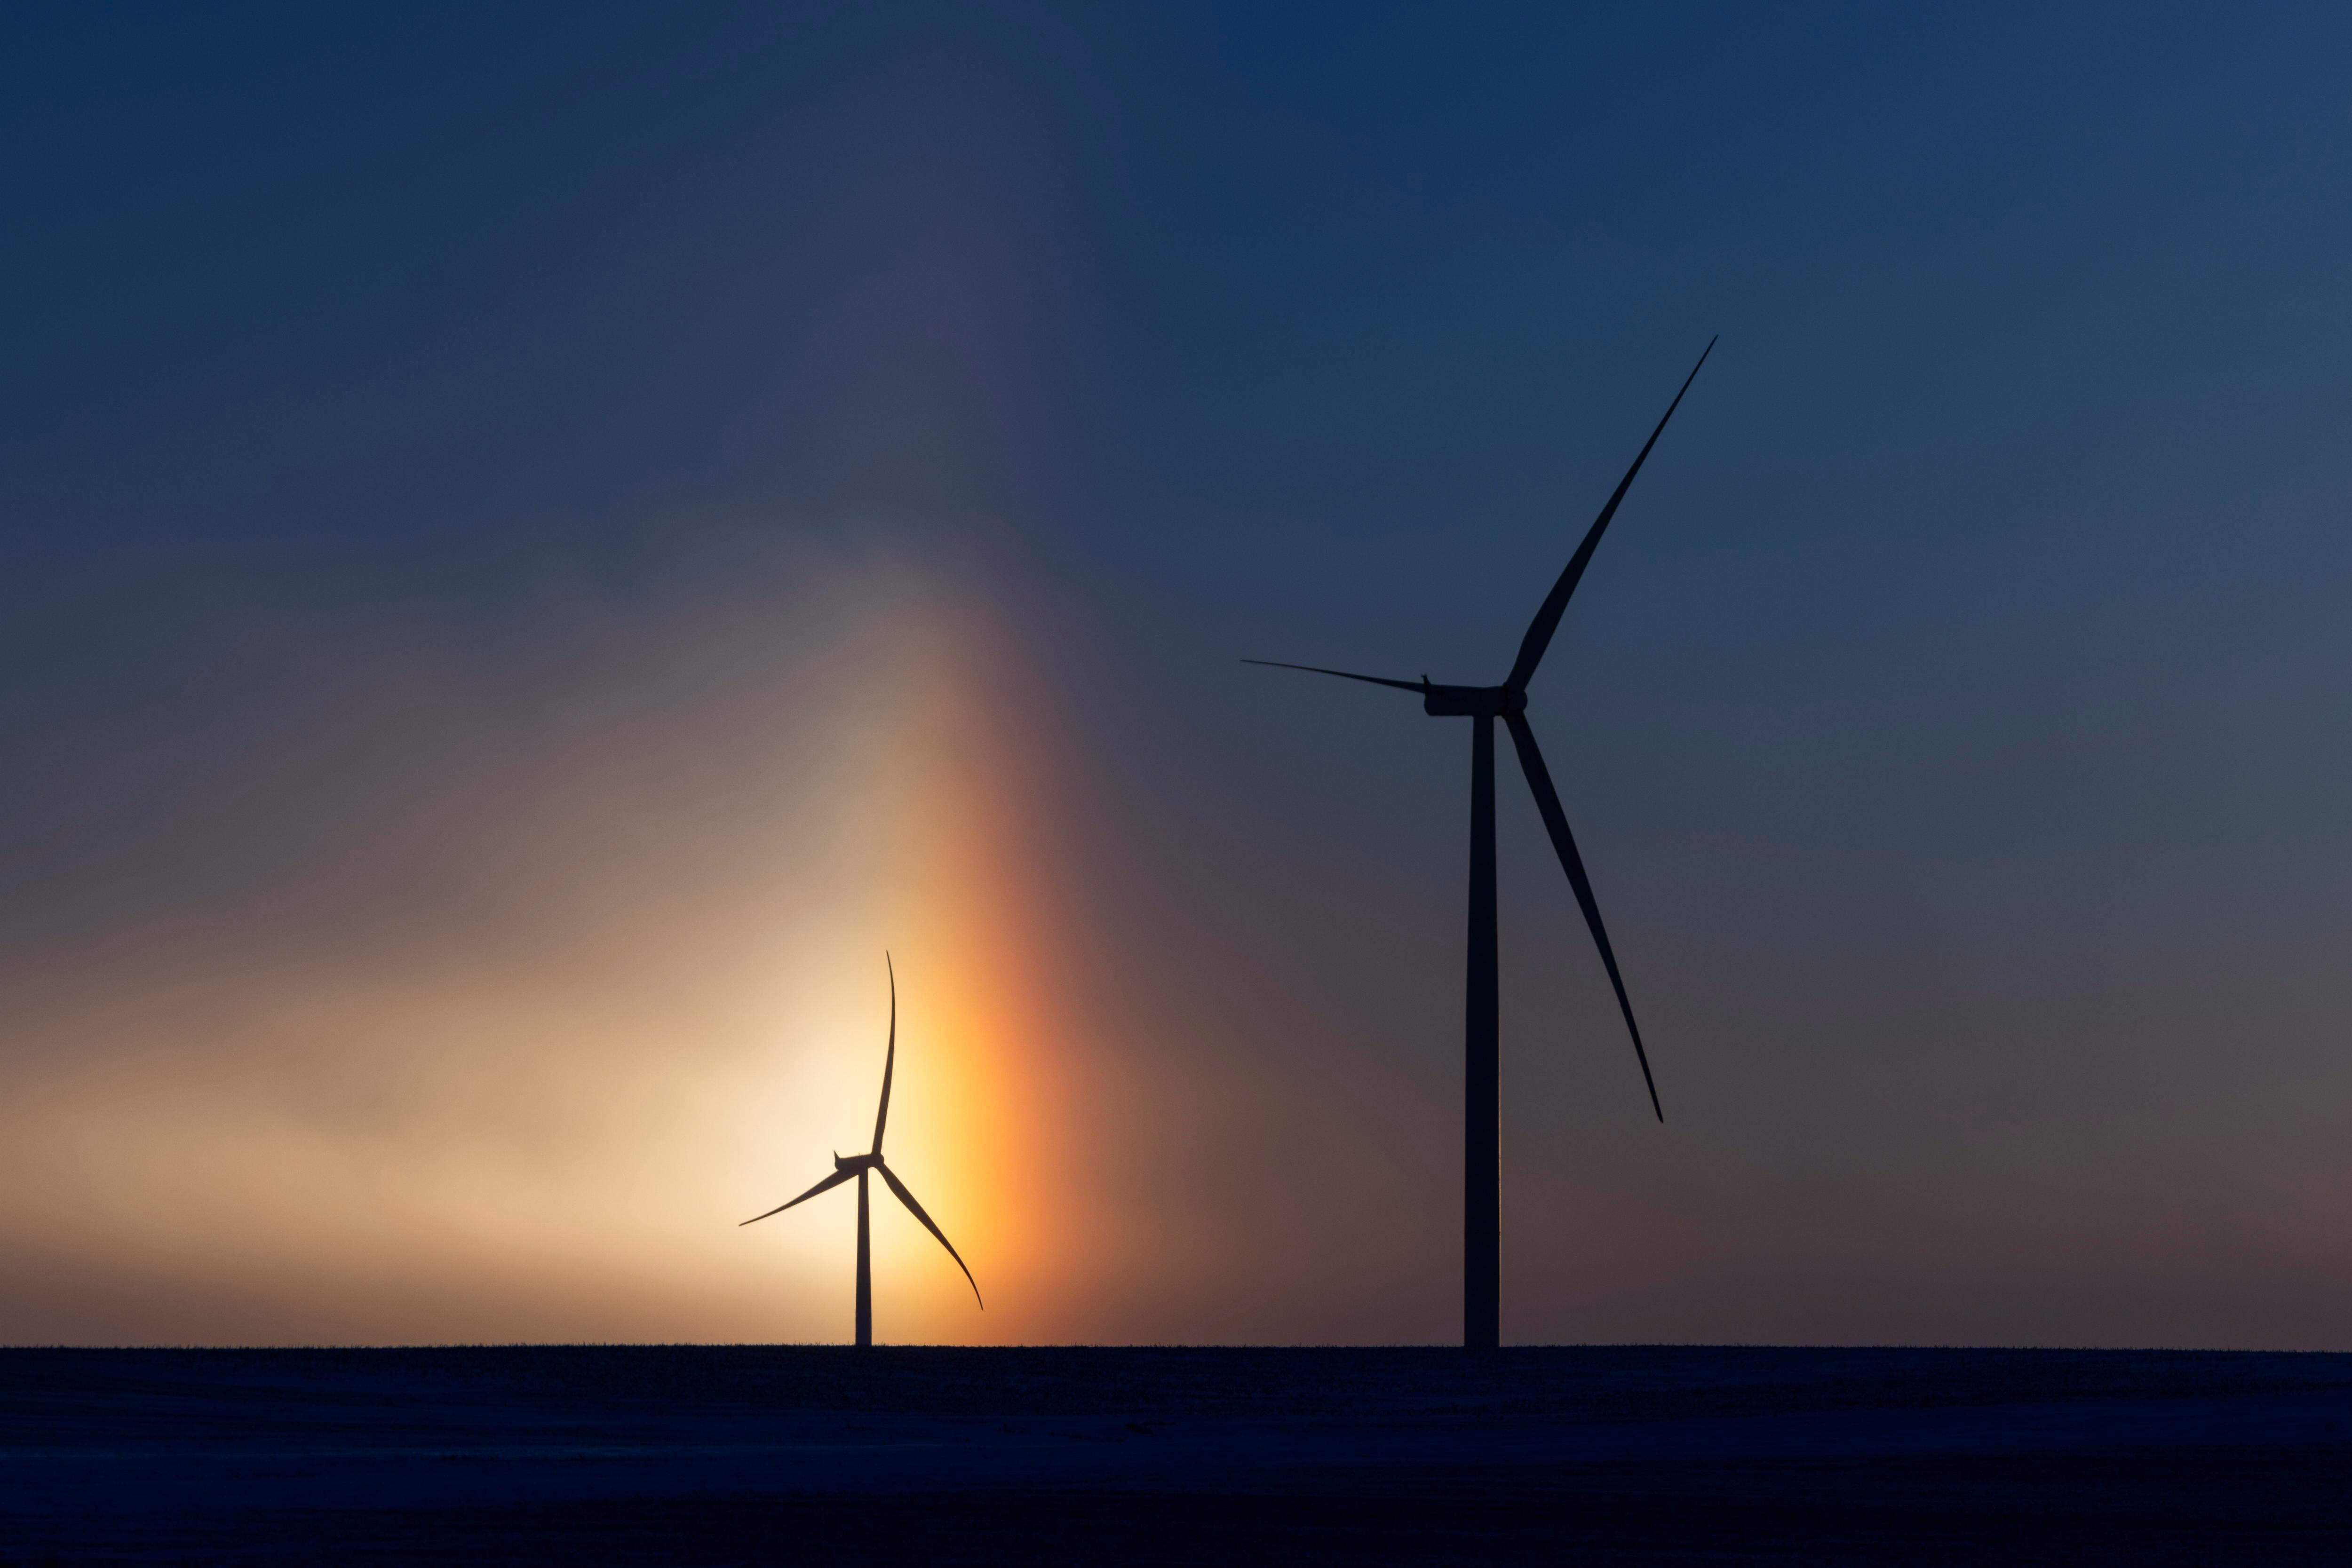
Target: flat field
(745,1454)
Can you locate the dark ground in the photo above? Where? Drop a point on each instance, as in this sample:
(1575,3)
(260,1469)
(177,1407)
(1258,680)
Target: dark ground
(727,1455)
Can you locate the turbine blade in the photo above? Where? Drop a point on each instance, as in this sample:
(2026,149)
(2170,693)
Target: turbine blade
(836,1179)
(890,1058)
(1547,620)
(1531,762)
(1421,685)
(917,1210)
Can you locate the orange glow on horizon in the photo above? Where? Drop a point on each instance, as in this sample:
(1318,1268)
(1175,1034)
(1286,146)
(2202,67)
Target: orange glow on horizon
(594,975)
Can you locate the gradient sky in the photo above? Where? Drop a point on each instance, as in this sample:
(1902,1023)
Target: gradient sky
(536,541)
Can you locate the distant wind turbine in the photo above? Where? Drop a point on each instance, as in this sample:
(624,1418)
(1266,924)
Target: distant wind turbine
(858,1166)
(1482,1259)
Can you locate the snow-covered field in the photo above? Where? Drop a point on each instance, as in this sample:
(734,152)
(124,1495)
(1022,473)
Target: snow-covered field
(758,1454)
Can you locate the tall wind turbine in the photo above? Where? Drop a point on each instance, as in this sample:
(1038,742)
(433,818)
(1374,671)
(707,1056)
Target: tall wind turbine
(1482,1259)
(858,1166)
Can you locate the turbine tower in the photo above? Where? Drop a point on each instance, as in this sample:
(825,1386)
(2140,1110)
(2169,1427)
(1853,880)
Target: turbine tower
(858,1166)
(1482,1259)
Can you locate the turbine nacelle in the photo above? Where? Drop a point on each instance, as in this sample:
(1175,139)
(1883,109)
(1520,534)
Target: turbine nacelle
(1471,702)
(856,1163)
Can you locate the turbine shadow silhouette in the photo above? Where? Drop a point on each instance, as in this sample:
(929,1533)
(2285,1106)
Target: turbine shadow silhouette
(1482,1259)
(858,1166)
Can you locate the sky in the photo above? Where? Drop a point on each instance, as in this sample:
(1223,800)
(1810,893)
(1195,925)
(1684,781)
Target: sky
(538,542)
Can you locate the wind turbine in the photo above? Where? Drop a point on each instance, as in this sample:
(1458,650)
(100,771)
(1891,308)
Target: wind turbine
(858,1166)
(1482,1257)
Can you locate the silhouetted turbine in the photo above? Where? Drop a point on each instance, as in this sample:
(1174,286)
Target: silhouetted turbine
(858,1166)
(1482,1259)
